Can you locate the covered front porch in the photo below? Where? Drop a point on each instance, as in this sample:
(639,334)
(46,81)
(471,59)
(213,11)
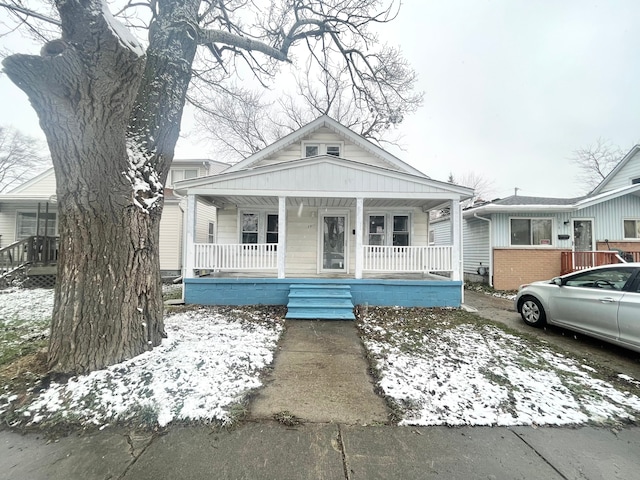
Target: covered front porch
(269,236)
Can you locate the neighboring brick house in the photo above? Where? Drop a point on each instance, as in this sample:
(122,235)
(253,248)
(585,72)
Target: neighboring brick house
(520,239)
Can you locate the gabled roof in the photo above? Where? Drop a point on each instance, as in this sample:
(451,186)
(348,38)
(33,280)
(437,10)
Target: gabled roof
(321,177)
(23,186)
(522,204)
(328,122)
(612,174)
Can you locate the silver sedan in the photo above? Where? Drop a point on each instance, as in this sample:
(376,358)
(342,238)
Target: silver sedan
(602,302)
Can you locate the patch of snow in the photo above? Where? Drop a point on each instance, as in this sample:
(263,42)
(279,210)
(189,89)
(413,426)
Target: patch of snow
(125,37)
(480,375)
(207,364)
(25,305)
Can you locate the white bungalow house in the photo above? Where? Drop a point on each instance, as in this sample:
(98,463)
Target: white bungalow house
(520,239)
(322,207)
(30,210)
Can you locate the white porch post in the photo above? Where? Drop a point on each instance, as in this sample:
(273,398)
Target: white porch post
(190,238)
(359,235)
(456,235)
(282,235)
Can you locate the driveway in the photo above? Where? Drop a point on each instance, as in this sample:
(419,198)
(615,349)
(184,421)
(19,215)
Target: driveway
(618,359)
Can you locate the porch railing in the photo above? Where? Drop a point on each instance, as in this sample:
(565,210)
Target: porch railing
(31,250)
(575,261)
(408,259)
(254,256)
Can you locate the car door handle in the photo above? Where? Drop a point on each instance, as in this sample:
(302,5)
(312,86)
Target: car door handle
(607,300)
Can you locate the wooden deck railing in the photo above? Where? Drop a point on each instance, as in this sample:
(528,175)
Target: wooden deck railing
(575,261)
(407,259)
(31,250)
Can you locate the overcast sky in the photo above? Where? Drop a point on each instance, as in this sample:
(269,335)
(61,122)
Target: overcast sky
(512,88)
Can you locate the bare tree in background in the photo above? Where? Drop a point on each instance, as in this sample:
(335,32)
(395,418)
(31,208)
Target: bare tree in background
(111,106)
(244,123)
(20,158)
(482,186)
(595,162)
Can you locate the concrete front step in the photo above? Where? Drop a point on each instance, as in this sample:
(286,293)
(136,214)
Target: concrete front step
(319,301)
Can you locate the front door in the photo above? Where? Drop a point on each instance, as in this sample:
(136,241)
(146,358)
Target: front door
(333,239)
(583,242)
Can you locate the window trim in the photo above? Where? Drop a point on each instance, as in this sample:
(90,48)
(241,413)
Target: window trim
(171,180)
(34,212)
(531,245)
(388,220)
(322,148)
(637,229)
(262,222)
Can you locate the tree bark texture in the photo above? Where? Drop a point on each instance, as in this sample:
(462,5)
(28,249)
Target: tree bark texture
(84,87)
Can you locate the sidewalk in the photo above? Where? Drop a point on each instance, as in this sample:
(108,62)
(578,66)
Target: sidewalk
(328,451)
(320,376)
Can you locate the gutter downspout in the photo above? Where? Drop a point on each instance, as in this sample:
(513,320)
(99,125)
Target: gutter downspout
(488,220)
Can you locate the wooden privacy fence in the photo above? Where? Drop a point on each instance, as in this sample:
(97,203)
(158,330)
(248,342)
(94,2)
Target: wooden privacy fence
(575,261)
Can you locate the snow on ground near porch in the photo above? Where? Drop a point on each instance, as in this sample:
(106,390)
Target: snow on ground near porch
(438,369)
(207,365)
(441,371)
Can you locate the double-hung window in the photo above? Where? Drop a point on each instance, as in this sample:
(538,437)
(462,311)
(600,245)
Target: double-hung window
(389,229)
(27,224)
(178,174)
(259,227)
(632,228)
(531,231)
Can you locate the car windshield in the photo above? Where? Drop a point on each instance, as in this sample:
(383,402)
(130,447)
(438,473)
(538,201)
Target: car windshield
(612,279)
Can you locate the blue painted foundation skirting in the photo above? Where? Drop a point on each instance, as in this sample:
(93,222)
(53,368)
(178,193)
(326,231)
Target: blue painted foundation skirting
(274,291)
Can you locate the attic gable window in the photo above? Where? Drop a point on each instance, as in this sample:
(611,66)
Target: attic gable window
(635,181)
(333,150)
(311,150)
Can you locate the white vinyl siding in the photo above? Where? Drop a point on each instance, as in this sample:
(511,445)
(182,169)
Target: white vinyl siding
(327,138)
(624,177)
(170,244)
(475,238)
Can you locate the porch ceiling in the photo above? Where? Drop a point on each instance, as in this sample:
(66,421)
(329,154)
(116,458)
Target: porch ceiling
(331,202)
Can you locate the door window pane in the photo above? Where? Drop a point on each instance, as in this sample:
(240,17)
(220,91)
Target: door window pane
(609,279)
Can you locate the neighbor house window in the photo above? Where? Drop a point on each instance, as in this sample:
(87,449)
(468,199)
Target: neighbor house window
(259,227)
(632,229)
(183,174)
(398,236)
(27,225)
(531,231)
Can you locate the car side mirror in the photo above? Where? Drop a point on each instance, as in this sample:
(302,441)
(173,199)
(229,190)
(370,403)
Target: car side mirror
(557,281)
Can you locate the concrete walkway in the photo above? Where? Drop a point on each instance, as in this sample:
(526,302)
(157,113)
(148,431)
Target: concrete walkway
(320,375)
(267,450)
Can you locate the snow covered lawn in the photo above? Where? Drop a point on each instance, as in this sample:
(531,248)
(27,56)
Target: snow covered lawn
(447,367)
(211,360)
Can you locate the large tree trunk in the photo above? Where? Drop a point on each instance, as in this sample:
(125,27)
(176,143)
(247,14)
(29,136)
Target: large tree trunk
(109,172)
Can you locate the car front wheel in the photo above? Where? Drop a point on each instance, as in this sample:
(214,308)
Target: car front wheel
(532,312)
